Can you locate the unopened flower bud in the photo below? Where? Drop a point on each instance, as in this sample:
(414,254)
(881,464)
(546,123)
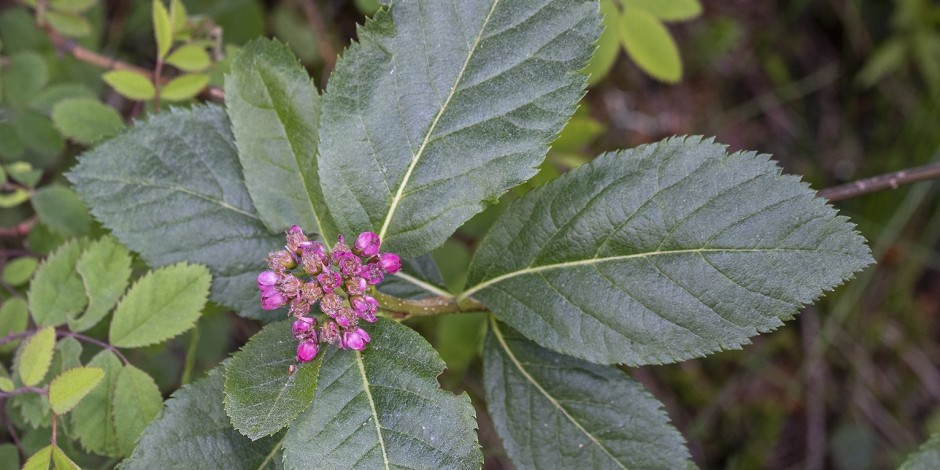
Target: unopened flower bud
(313,257)
(267,279)
(289,285)
(372,273)
(339,249)
(274,301)
(367,245)
(281,260)
(349,264)
(356,339)
(331,304)
(356,285)
(307,350)
(329,332)
(365,307)
(390,263)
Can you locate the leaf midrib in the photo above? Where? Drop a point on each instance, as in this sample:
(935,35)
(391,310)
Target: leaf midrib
(593,261)
(396,200)
(548,396)
(375,415)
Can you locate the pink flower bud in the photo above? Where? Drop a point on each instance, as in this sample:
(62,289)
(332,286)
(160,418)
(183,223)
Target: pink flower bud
(356,339)
(349,263)
(274,301)
(367,245)
(267,279)
(281,260)
(331,304)
(356,285)
(372,272)
(390,263)
(329,281)
(295,236)
(303,327)
(307,350)
(365,307)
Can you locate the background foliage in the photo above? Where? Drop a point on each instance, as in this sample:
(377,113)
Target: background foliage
(835,90)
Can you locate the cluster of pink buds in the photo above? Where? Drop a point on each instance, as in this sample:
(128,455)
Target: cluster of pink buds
(306,272)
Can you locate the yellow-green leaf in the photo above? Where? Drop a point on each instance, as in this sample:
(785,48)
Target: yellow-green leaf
(177,15)
(649,44)
(130,84)
(18,271)
(608,45)
(34,359)
(162,28)
(668,10)
(69,24)
(184,87)
(71,6)
(189,58)
(40,460)
(60,461)
(6,385)
(137,401)
(71,386)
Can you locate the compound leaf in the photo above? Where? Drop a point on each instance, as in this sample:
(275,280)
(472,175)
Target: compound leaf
(555,411)
(442,106)
(160,305)
(662,253)
(171,189)
(383,408)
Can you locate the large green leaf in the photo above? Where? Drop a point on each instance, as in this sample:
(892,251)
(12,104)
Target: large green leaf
(91,419)
(555,411)
(275,113)
(193,431)
(260,396)
(160,305)
(56,291)
(105,269)
(137,401)
(926,457)
(171,189)
(662,253)
(443,106)
(383,408)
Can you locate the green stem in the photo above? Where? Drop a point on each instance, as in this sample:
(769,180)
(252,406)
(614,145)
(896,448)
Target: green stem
(403,309)
(190,356)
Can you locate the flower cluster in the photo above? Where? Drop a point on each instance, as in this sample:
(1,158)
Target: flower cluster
(306,272)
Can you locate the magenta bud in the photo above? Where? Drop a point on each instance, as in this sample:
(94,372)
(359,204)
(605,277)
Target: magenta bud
(307,350)
(390,263)
(267,279)
(356,285)
(349,263)
(367,245)
(342,320)
(329,281)
(365,307)
(274,301)
(295,236)
(372,273)
(281,260)
(356,339)
(302,327)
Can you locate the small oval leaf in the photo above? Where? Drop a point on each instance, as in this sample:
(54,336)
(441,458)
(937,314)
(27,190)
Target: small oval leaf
(130,84)
(184,87)
(71,386)
(35,357)
(650,45)
(190,58)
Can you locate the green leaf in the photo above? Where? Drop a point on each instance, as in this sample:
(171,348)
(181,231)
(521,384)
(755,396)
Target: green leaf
(9,457)
(14,318)
(193,431)
(34,409)
(662,253)
(69,24)
(419,278)
(260,396)
(383,408)
(275,111)
(669,10)
(178,15)
(61,461)
(23,77)
(926,457)
(162,28)
(423,121)
(11,147)
(40,460)
(24,173)
(53,95)
(105,270)
(555,411)
(62,211)
(650,45)
(182,168)
(608,45)
(86,120)
(13,199)
(137,401)
(37,134)
(67,355)
(91,419)
(35,357)
(56,291)
(190,58)
(6,385)
(184,87)
(18,271)
(130,84)
(160,305)
(71,386)
(72,6)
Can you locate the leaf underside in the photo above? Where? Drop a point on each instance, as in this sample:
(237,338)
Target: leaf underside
(172,190)
(662,253)
(555,411)
(442,106)
(383,408)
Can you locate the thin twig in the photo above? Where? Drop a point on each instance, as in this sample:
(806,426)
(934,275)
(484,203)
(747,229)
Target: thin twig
(23,391)
(881,182)
(94,341)
(15,336)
